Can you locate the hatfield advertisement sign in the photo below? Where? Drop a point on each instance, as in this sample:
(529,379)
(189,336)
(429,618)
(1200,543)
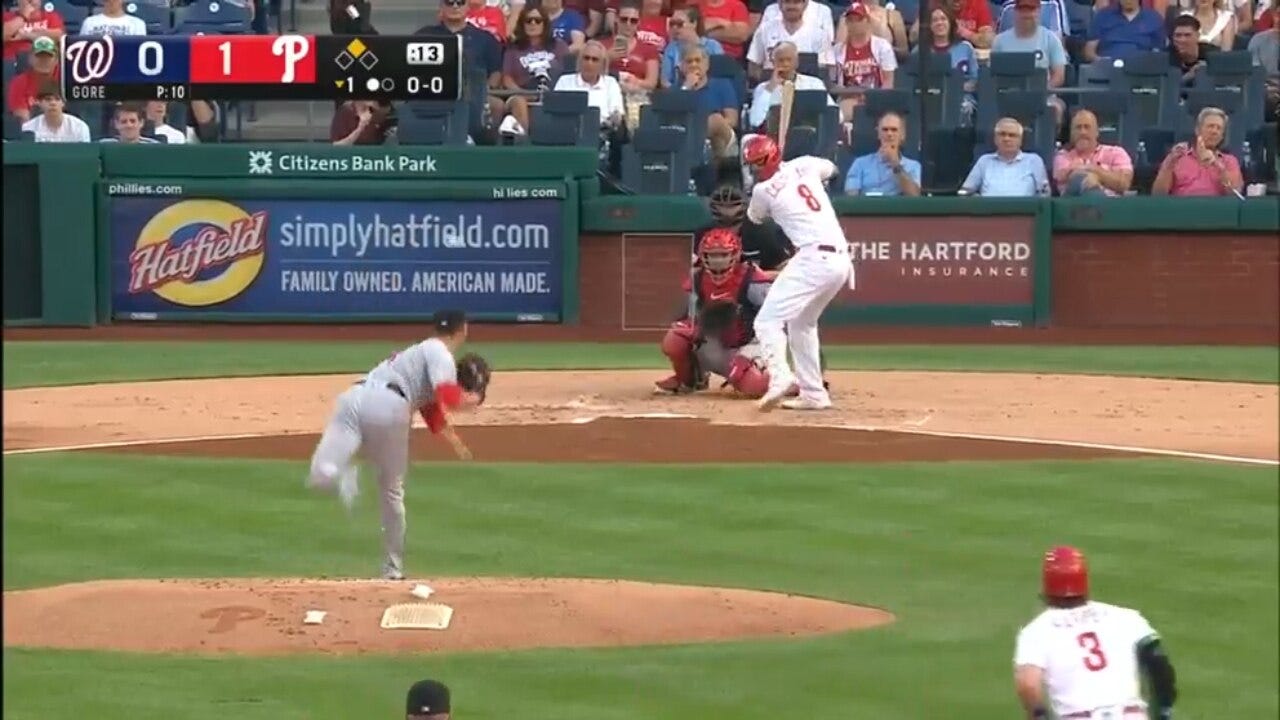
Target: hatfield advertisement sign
(962,260)
(178,257)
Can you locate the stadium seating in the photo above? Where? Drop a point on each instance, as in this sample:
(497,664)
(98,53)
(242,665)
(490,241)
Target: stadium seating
(158,18)
(564,118)
(73,15)
(677,109)
(944,101)
(426,122)
(655,162)
(212,17)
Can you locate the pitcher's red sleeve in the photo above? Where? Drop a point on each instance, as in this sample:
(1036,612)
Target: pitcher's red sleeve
(433,416)
(449,394)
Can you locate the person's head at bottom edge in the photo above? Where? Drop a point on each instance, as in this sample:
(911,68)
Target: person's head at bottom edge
(427,700)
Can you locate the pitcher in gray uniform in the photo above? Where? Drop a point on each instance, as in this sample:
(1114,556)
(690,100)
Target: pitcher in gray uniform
(373,418)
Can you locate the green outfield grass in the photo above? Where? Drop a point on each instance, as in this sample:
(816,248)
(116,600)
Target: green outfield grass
(63,363)
(952,548)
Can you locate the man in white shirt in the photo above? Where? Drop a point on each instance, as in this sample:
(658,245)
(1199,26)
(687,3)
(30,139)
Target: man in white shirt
(113,20)
(602,89)
(157,114)
(1087,656)
(52,124)
(815,14)
(767,94)
(789,27)
(794,194)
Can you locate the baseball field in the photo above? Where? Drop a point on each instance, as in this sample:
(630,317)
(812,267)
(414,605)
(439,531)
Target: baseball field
(611,554)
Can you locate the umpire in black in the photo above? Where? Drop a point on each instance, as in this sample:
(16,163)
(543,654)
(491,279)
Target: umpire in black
(765,244)
(427,700)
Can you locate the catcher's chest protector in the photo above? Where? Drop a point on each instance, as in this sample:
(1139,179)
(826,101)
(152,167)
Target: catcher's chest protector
(738,286)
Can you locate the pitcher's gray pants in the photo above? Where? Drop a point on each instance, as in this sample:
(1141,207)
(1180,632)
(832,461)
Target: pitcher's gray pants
(374,421)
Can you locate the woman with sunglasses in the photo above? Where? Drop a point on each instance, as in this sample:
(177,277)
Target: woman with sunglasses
(686,29)
(530,62)
(636,62)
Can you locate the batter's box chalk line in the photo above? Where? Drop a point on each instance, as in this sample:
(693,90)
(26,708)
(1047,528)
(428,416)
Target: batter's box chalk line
(635,416)
(417,616)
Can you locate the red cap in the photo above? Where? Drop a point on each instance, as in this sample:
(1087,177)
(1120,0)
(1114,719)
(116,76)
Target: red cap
(857,10)
(1065,573)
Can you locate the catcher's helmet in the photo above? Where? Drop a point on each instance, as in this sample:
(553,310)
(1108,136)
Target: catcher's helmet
(1065,573)
(728,206)
(719,252)
(762,154)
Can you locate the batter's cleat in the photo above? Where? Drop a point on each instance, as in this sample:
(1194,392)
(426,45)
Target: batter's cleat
(801,403)
(391,572)
(675,387)
(348,487)
(773,395)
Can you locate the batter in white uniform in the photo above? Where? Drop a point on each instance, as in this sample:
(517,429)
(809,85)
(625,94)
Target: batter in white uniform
(1088,656)
(373,418)
(794,194)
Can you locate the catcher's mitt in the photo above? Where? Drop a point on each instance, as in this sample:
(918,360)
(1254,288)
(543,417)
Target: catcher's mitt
(716,317)
(473,374)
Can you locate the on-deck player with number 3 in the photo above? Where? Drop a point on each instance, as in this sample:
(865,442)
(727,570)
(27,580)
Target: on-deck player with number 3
(1088,655)
(794,194)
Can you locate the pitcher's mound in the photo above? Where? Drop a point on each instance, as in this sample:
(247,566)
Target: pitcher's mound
(264,617)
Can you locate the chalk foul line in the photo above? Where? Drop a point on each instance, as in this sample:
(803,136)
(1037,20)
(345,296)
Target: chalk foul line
(910,428)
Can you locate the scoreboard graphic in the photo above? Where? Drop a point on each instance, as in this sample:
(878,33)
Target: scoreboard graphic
(262,67)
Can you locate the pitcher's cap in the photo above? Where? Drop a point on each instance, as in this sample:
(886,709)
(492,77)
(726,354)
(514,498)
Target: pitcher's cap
(427,697)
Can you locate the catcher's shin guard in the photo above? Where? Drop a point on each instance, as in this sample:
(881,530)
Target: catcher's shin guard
(680,347)
(747,377)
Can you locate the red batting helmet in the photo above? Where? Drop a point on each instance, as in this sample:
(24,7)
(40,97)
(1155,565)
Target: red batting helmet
(1065,573)
(762,154)
(720,251)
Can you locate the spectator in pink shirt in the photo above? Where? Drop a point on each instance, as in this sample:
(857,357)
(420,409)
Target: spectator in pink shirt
(1201,168)
(1086,167)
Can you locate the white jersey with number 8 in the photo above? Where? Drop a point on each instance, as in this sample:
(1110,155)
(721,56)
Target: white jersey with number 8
(796,198)
(1088,654)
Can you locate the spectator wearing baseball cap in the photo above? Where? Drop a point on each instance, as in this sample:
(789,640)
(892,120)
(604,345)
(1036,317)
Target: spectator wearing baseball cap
(53,124)
(29,21)
(1028,36)
(865,60)
(1053,16)
(427,700)
(23,88)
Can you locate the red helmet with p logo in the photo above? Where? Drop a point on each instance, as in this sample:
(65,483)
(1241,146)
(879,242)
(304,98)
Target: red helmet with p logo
(762,154)
(1064,573)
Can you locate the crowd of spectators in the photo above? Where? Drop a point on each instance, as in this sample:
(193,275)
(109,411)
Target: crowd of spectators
(1020,97)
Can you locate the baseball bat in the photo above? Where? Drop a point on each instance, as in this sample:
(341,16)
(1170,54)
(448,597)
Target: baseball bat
(784,115)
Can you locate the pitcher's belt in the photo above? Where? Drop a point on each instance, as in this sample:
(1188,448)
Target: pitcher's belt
(393,387)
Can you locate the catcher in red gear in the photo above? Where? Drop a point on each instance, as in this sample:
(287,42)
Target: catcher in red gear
(715,335)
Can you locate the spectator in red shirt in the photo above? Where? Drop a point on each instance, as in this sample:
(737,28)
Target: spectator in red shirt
(653,24)
(635,61)
(27,23)
(728,22)
(973,22)
(488,18)
(24,88)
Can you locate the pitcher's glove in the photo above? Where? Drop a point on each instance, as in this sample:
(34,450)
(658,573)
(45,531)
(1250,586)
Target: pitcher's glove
(473,374)
(716,317)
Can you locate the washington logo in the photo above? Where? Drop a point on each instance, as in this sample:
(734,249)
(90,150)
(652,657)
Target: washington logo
(91,59)
(152,266)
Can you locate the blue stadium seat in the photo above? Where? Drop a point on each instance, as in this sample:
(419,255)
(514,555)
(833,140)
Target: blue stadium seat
(91,112)
(807,64)
(1079,17)
(1095,73)
(943,104)
(1153,88)
(655,163)
(728,67)
(909,9)
(564,118)
(213,17)
(677,109)
(72,15)
(1235,72)
(157,17)
(1114,125)
(12,127)
(426,122)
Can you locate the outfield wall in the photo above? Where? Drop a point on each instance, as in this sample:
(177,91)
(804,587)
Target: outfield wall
(313,233)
